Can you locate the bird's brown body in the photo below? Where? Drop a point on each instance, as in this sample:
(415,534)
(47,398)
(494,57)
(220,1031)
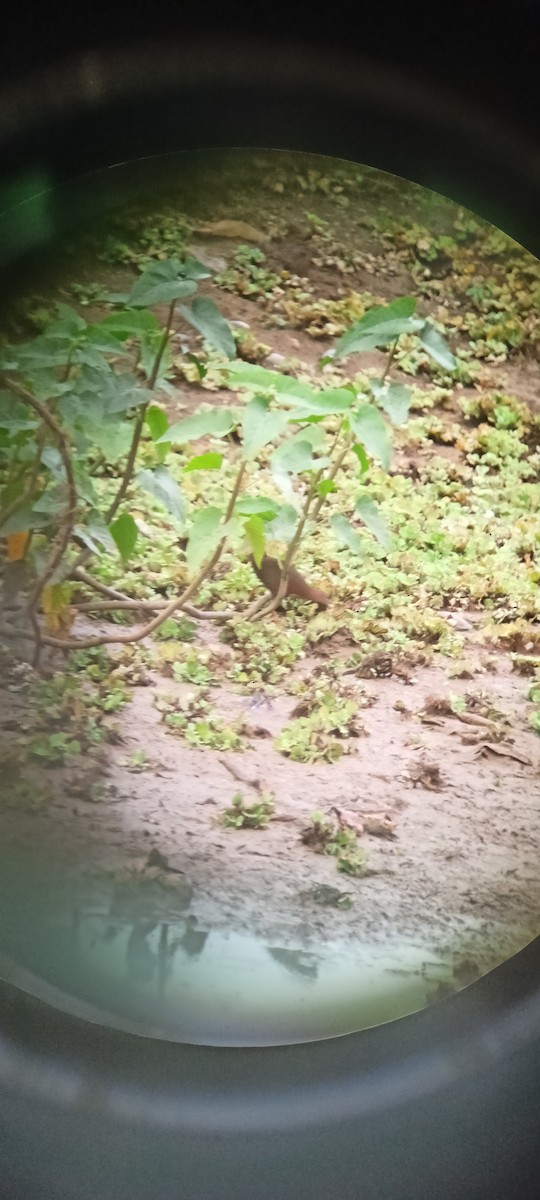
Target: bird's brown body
(269,574)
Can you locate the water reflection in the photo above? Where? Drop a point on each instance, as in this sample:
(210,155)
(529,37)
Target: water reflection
(186,982)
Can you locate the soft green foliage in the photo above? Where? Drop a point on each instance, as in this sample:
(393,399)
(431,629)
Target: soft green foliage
(323,735)
(262,654)
(342,844)
(69,714)
(79,371)
(192,718)
(54,748)
(241,815)
(192,670)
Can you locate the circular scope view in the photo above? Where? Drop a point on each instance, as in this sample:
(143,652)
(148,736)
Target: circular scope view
(269,630)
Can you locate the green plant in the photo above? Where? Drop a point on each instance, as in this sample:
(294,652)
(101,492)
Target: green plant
(191,717)
(54,747)
(248,275)
(181,630)
(241,815)
(324,735)
(262,654)
(72,383)
(342,844)
(137,762)
(192,670)
(87,293)
(534,720)
(75,396)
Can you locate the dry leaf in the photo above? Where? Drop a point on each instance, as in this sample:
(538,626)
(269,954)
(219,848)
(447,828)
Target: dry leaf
(503,752)
(16,546)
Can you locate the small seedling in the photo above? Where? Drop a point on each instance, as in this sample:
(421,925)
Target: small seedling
(191,717)
(192,670)
(241,815)
(342,844)
(179,631)
(137,762)
(324,735)
(55,748)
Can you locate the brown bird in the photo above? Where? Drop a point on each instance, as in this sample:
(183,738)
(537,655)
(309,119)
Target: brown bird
(269,573)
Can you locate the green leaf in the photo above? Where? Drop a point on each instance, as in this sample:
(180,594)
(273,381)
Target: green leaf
(51,502)
(124,532)
(83,535)
(121,392)
(436,347)
(158,423)
(193,269)
(394,398)
(254,530)
(98,530)
(345,535)
(104,340)
(94,531)
(52,459)
(160,283)
(205,462)
(257,506)
(68,322)
(361,456)
(205,316)
(369,513)
(379,326)
(161,485)
(41,352)
(333,400)
(15,417)
(24,519)
(112,438)
(293,457)
(325,487)
(370,429)
(205,534)
(255,378)
(202,370)
(85,487)
(213,422)
(259,426)
(283,527)
(129,323)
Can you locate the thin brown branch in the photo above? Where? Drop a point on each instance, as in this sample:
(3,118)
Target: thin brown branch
(128,602)
(61,541)
(134,635)
(137,635)
(137,433)
(258,612)
(389,360)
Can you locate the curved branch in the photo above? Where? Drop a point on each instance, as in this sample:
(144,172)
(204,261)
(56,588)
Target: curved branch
(61,541)
(137,635)
(152,606)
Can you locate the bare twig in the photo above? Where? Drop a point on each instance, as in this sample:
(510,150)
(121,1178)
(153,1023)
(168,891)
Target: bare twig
(254,782)
(389,360)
